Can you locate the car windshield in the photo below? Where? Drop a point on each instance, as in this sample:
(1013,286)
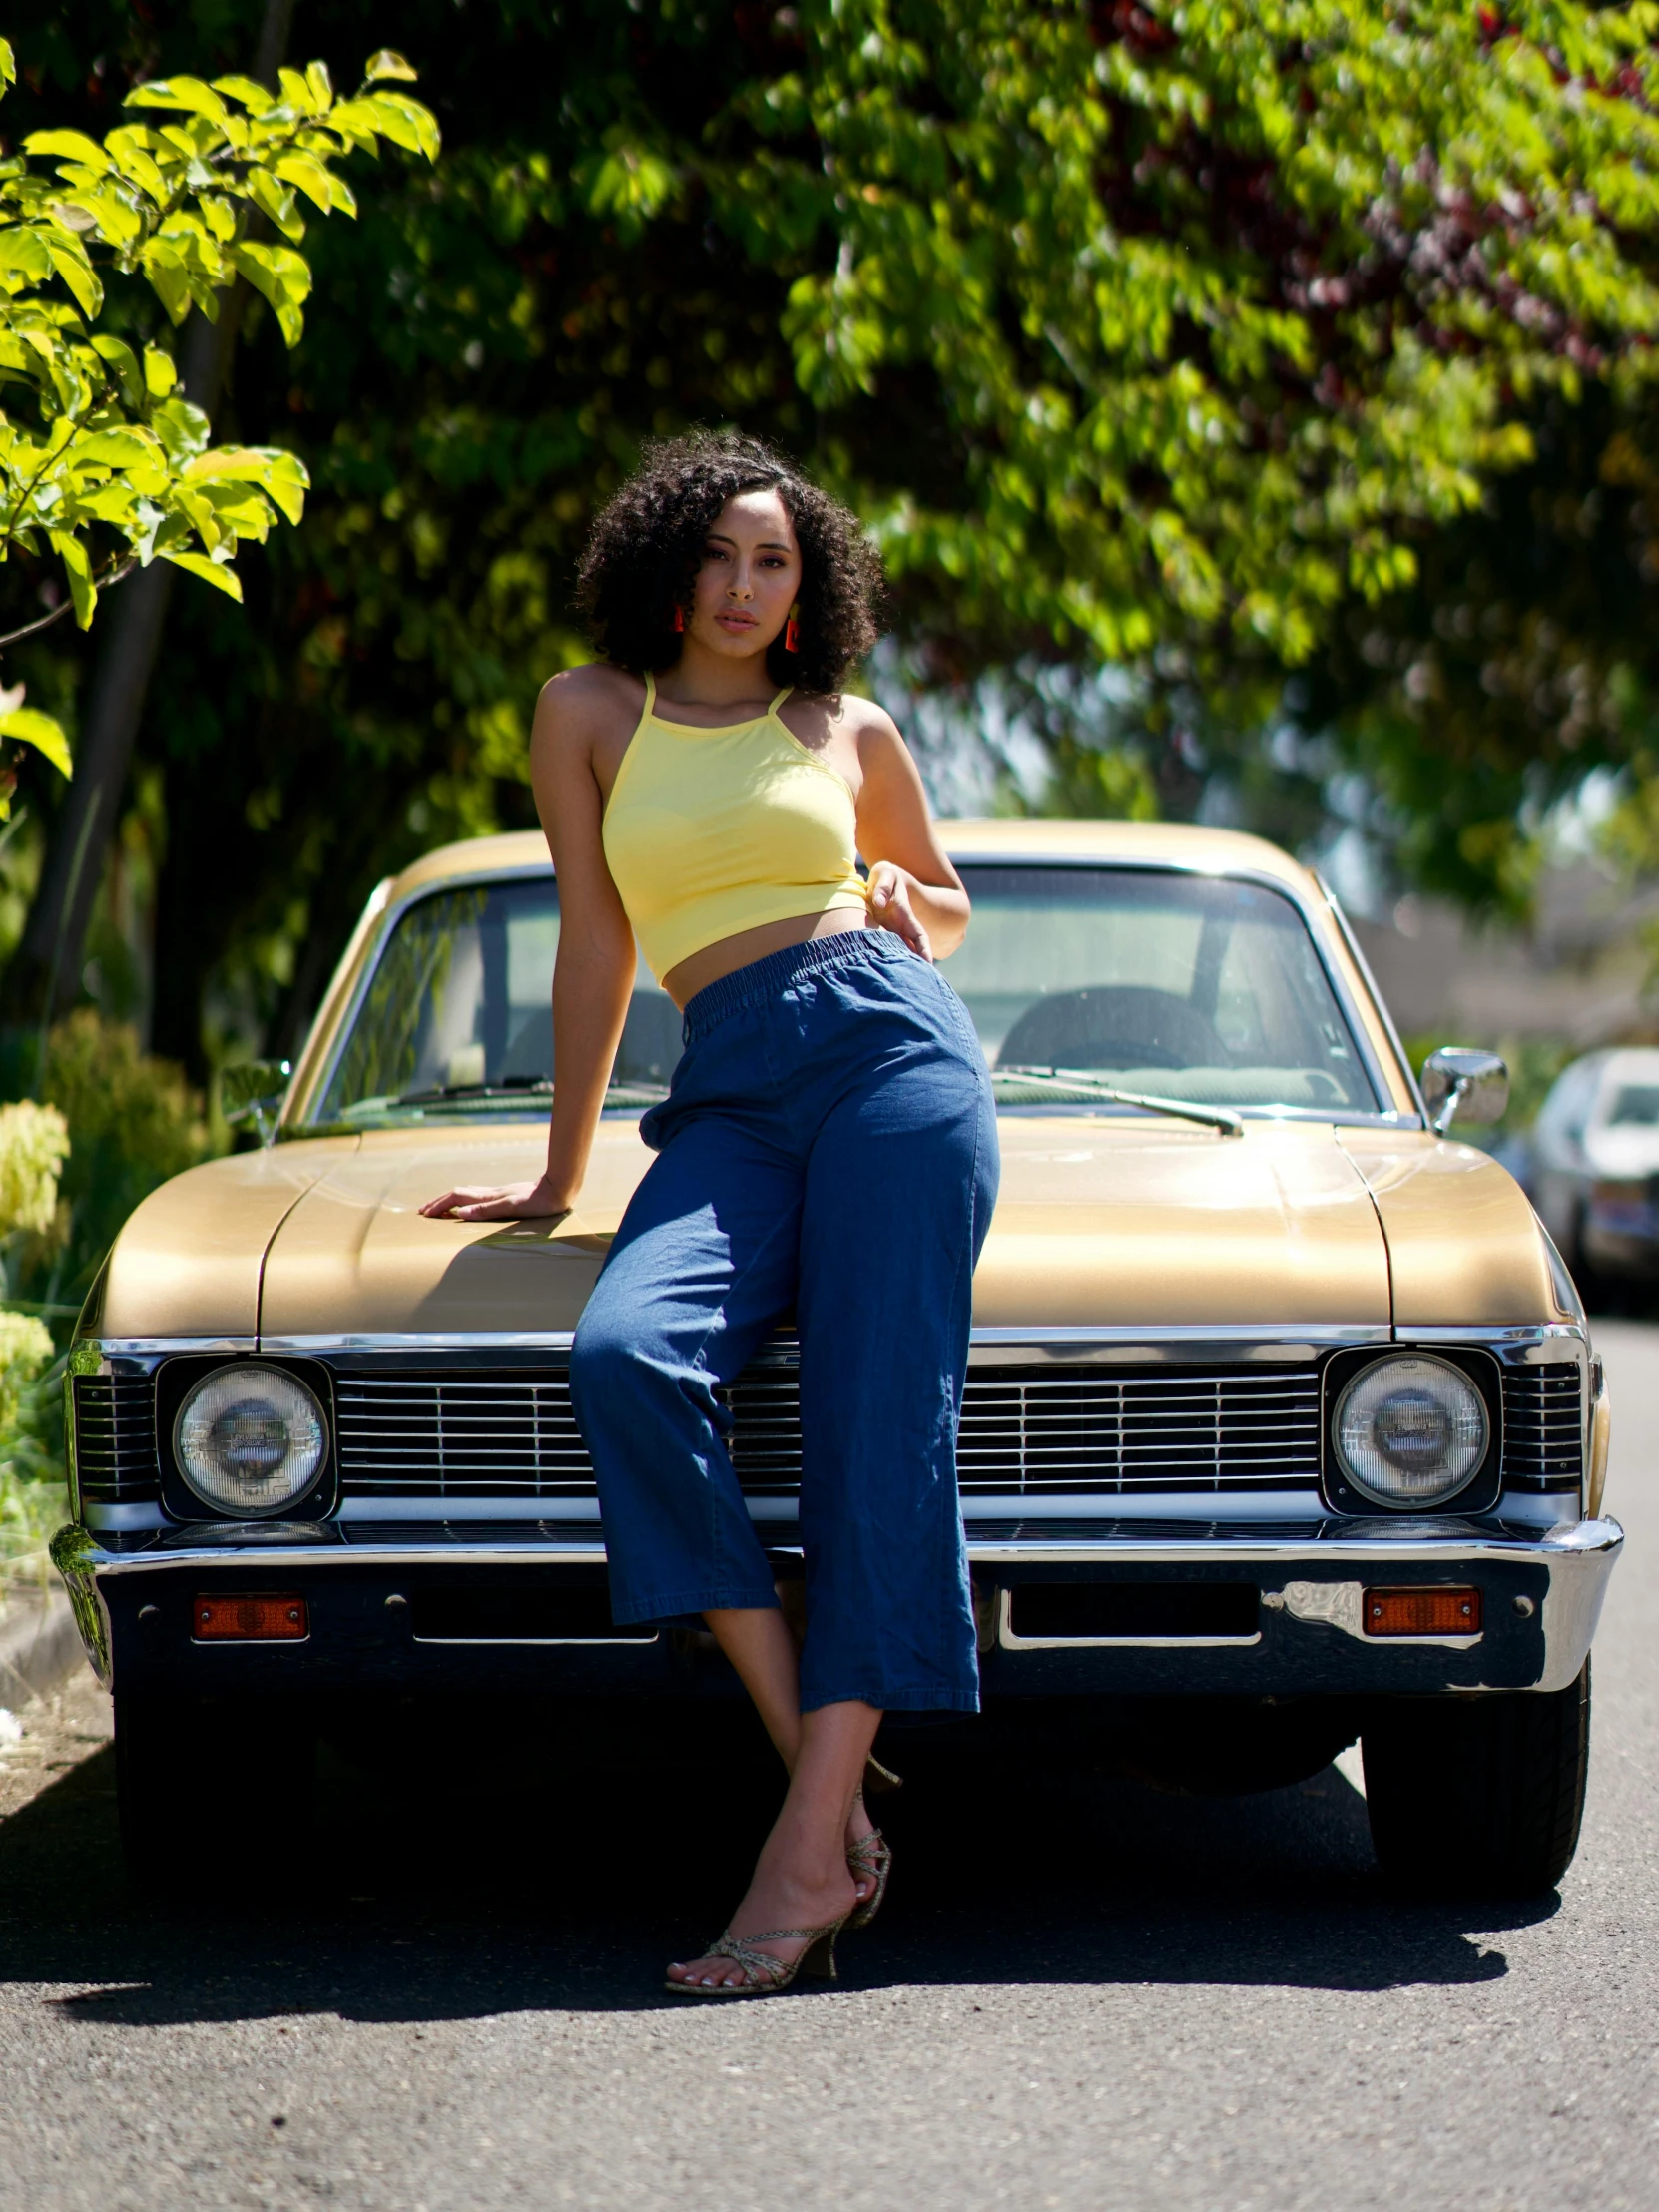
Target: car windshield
(459,1014)
(1078,980)
(1635,1107)
(1178,986)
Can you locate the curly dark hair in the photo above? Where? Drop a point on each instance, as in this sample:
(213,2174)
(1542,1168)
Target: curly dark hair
(646,547)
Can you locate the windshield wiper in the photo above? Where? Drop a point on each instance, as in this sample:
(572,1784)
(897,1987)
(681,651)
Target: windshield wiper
(1220,1118)
(510,1086)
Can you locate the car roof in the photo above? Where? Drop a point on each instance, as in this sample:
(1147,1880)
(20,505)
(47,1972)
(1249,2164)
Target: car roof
(1628,1063)
(1175,845)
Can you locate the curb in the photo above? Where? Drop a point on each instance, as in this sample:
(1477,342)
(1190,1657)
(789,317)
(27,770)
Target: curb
(39,1645)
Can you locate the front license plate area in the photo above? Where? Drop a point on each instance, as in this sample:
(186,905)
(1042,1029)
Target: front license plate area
(1116,1612)
(525,1614)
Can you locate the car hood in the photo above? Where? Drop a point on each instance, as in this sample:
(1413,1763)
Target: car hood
(1100,1223)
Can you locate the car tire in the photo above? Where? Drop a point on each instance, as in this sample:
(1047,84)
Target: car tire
(192,1779)
(1478,1796)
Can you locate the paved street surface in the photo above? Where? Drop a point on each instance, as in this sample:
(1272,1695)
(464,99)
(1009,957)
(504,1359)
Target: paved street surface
(1082,1994)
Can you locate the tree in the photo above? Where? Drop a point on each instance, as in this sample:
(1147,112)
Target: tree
(100,443)
(1197,339)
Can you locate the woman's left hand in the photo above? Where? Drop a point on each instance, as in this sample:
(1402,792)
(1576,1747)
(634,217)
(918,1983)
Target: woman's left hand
(890,908)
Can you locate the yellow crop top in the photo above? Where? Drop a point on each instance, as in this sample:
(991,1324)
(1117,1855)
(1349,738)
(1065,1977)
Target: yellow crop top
(709,832)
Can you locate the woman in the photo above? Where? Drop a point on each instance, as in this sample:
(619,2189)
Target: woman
(827,1149)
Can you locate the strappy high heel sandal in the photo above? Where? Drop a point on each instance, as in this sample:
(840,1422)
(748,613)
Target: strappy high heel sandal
(871,1854)
(764,1975)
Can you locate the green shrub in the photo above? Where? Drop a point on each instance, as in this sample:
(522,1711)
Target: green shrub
(132,1122)
(33,1143)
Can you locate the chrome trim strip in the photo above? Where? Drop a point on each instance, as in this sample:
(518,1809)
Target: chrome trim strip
(1008,1641)
(145,1513)
(537,1643)
(1175,1343)
(1288,1341)
(1351,946)
(1534,1343)
(1065,1341)
(1235,1507)
(129,1347)
(1277,1506)
(457,1339)
(1535,1508)
(1566,1543)
(404,1511)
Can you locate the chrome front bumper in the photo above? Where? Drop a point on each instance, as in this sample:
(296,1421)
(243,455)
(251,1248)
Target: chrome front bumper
(1542,1595)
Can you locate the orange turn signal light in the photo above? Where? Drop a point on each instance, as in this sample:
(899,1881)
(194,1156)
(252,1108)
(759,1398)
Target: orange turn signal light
(249,1620)
(1434,1611)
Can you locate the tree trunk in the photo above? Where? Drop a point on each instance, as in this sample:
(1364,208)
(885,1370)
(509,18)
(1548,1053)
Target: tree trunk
(44,976)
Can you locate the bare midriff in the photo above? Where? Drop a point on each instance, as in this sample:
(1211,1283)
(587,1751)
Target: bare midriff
(683,983)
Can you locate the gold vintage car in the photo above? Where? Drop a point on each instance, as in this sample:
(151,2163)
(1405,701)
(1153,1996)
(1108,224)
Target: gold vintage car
(1281,1425)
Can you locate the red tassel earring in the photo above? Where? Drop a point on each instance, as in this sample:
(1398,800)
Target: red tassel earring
(679,619)
(791,631)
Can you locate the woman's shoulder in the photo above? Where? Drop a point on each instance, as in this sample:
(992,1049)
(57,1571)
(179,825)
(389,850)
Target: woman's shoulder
(593,702)
(846,713)
(594,686)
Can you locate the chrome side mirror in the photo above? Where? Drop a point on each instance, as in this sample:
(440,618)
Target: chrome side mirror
(253,1090)
(1458,1080)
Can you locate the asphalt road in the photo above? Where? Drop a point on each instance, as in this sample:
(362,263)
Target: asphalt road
(1082,1994)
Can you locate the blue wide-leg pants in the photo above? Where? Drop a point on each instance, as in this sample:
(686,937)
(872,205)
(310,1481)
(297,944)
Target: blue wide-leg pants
(828,1149)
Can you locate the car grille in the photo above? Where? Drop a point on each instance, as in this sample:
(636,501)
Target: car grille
(115,1437)
(1543,1433)
(1043,1432)
(1052,1431)
(494,1436)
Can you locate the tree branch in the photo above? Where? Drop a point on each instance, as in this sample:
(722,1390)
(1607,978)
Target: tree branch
(110,576)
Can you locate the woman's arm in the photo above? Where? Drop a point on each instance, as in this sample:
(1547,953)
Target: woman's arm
(913,890)
(593,973)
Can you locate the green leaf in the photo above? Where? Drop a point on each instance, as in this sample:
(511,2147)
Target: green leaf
(405,121)
(246,89)
(182,428)
(188,93)
(282,276)
(386,64)
(167,277)
(74,145)
(77,568)
(8,64)
(274,204)
(218,573)
(28,725)
(160,377)
(69,259)
(118,448)
(122,360)
(134,160)
(303,171)
(25,251)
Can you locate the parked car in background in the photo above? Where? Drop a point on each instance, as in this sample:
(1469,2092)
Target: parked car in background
(1282,1424)
(1593,1169)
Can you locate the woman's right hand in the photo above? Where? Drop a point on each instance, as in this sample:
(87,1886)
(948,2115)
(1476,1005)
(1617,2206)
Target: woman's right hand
(535,1201)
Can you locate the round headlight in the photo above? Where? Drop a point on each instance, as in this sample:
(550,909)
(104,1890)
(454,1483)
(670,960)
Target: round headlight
(249,1439)
(1410,1430)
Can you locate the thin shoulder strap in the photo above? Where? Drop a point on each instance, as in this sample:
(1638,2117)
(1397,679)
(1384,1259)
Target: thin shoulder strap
(778,701)
(650,695)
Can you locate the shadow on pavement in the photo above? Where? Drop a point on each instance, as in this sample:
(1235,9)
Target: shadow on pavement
(454,1885)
